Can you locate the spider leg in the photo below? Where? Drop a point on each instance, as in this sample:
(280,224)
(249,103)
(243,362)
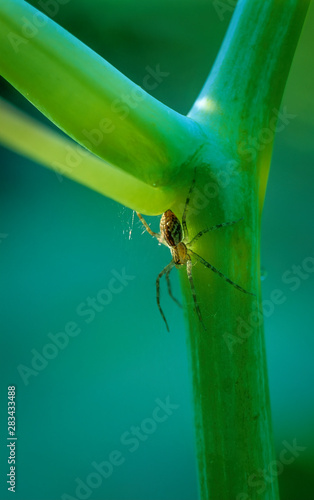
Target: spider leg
(158,236)
(212,228)
(167,269)
(148,229)
(187,201)
(207,264)
(190,277)
(169,288)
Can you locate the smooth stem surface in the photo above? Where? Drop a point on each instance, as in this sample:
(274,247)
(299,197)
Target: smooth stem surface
(232,409)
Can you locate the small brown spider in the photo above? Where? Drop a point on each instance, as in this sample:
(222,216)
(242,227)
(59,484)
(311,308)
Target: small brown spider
(175,237)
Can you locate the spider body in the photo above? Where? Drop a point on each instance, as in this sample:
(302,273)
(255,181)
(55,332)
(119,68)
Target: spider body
(171,232)
(170,228)
(174,235)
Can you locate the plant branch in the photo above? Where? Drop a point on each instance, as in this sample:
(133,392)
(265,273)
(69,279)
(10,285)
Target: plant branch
(90,100)
(241,97)
(27,136)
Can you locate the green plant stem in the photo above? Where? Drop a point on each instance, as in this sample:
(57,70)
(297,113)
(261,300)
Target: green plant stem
(242,95)
(231,398)
(102,109)
(28,137)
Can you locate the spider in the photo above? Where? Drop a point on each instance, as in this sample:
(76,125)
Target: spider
(175,236)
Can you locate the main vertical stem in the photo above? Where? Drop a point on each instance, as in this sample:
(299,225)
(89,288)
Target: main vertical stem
(238,104)
(228,364)
(232,411)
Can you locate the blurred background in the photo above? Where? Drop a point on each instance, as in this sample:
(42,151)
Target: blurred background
(62,243)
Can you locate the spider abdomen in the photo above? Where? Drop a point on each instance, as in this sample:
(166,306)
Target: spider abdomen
(170,228)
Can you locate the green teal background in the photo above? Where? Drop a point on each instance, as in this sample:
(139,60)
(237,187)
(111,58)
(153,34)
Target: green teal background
(63,243)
